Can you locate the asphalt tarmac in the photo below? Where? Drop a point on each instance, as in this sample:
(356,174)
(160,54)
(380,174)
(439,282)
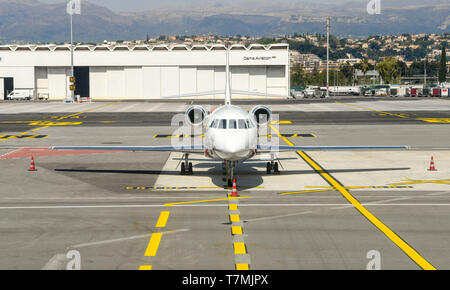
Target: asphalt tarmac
(326,210)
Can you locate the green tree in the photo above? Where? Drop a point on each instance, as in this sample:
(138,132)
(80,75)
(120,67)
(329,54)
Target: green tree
(443,66)
(297,76)
(389,70)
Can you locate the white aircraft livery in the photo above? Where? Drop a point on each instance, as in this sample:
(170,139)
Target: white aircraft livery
(231,134)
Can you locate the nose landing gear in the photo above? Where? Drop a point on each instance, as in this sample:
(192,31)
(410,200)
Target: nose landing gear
(230,173)
(272,167)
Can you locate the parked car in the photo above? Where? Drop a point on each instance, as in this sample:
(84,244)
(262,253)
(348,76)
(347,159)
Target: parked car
(20,95)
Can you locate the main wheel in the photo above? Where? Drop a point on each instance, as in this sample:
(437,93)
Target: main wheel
(276,169)
(183,168)
(269,168)
(190,169)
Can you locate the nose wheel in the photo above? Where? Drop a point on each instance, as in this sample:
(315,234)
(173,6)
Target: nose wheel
(230,166)
(186,166)
(273,167)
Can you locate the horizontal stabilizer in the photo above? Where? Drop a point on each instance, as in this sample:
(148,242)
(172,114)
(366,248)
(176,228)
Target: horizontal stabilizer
(329,148)
(183,149)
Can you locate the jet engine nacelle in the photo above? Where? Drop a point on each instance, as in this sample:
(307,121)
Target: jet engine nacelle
(195,115)
(261,114)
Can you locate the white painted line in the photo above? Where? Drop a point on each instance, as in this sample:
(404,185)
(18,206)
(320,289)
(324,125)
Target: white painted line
(124,239)
(277,216)
(110,198)
(9,153)
(56,262)
(219,205)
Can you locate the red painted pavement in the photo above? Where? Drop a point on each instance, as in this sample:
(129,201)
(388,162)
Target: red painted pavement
(45,152)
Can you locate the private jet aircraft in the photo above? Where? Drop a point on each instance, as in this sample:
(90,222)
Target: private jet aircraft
(231,134)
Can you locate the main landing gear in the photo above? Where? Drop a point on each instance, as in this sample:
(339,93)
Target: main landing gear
(273,167)
(186,166)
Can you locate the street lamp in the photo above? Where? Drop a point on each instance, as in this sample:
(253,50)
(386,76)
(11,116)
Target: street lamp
(73,7)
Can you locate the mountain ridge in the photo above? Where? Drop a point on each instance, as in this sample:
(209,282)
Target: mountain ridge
(34,21)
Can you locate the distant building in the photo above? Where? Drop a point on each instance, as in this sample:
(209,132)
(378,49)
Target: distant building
(309,62)
(351,61)
(142,71)
(374,75)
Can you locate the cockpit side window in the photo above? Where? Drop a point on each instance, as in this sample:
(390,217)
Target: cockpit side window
(223,124)
(249,123)
(242,124)
(233,124)
(214,123)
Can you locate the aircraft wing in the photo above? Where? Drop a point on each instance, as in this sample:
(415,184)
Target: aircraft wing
(262,148)
(258,94)
(190,95)
(183,149)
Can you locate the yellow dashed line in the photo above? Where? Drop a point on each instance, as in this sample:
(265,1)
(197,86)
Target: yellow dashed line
(162,221)
(233,206)
(145,268)
(234,218)
(242,267)
(239,249)
(153,245)
(236,230)
(407,249)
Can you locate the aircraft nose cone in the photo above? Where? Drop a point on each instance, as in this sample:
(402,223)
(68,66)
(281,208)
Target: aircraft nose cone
(232,145)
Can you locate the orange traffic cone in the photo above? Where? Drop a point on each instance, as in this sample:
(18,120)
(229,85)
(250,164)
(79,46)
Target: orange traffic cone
(432,166)
(234,192)
(32,165)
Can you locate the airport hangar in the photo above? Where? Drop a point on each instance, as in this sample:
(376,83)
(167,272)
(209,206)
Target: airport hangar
(142,71)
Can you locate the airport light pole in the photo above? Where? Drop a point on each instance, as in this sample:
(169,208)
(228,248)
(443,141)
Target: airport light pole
(328,56)
(73,7)
(72,70)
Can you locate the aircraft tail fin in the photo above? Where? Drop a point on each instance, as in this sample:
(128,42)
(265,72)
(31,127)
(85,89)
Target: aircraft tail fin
(227,85)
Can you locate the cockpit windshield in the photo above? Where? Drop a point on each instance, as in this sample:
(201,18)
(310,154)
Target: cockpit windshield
(223,124)
(232,124)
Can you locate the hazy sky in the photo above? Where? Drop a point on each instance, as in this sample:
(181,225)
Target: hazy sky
(135,5)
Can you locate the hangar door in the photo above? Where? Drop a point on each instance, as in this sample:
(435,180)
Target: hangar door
(81,74)
(8,86)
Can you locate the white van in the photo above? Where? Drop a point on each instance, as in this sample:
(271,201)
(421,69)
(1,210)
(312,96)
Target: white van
(20,95)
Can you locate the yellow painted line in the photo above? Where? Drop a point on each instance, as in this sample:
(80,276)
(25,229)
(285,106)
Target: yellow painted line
(407,249)
(307,191)
(162,221)
(413,181)
(145,268)
(239,249)
(234,218)
(153,245)
(46,123)
(203,201)
(90,110)
(233,206)
(373,110)
(242,267)
(435,120)
(282,122)
(236,230)
(327,188)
